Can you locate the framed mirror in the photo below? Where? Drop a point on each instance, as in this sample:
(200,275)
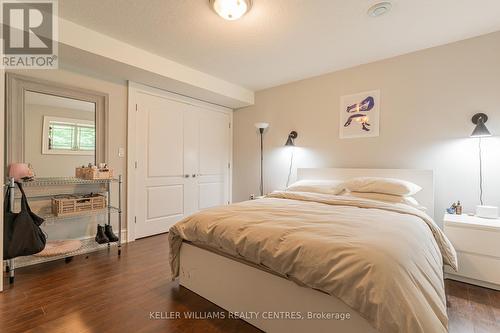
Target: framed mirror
(54,127)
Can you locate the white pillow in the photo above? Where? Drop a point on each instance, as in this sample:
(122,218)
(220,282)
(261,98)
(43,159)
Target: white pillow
(410,201)
(381,185)
(317,186)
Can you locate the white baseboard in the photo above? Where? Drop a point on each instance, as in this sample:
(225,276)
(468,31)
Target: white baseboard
(471,281)
(124,236)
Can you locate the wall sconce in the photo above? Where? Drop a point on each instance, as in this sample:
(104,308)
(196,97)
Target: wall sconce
(291,139)
(480,131)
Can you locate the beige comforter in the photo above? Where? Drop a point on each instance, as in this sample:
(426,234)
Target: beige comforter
(383,260)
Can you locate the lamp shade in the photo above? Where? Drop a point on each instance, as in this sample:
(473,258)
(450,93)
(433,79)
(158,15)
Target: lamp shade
(291,137)
(262,125)
(480,131)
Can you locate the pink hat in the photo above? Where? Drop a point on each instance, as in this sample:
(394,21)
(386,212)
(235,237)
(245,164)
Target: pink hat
(19,171)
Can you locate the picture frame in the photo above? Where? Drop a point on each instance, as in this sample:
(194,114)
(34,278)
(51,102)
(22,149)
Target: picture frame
(360,115)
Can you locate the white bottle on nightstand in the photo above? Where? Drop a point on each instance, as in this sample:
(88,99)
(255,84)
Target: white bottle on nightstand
(477,242)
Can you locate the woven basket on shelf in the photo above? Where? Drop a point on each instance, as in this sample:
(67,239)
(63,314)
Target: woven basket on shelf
(71,204)
(93,173)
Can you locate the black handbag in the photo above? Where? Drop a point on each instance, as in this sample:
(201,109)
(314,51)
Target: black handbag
(22,233)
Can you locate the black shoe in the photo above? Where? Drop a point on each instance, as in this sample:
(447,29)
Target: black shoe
(101,237)
(108,230)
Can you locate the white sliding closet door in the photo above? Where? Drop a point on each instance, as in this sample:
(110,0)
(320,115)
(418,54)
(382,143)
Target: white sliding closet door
(191,149)
(160,169)
(213,161)
(183,155)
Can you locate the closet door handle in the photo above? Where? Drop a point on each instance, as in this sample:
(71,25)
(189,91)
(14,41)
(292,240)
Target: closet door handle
(193,175)
(186,176)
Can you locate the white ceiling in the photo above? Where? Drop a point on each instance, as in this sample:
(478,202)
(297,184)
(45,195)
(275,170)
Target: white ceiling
(280,41)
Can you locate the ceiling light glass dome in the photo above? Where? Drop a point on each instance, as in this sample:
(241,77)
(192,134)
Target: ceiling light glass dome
(231,9)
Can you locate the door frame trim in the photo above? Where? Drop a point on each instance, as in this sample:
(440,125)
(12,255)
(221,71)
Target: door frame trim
(134,89)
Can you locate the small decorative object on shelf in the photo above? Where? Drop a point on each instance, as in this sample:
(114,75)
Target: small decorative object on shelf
(21,172)
(458,208)
(64,205)
(92,172)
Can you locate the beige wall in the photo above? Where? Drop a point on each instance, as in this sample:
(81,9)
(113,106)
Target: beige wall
(51,165)
(117,134)
(427,100)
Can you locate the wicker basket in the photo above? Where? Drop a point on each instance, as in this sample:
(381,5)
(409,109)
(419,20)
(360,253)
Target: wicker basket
(93,173)
(73,205)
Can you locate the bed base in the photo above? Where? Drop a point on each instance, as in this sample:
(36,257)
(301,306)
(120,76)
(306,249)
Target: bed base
(240,288)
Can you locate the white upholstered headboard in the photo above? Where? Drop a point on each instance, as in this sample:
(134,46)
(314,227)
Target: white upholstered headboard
(423,178)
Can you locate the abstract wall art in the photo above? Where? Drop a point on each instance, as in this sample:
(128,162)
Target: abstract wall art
(360,115)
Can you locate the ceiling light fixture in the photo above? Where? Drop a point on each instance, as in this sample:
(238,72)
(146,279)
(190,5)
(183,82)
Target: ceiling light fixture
(380,9)
(231,9)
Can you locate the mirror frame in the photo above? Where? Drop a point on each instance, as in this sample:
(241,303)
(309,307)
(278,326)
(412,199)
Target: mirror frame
(17,85)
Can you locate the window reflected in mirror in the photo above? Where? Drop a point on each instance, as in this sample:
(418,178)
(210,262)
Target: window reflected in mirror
(68,136)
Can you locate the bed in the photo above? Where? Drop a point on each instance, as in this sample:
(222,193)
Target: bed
(295,262)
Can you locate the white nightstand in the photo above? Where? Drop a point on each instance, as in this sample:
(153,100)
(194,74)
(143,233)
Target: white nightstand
(477,242)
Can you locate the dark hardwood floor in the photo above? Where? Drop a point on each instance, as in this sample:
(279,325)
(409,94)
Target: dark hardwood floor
(104,293)
(472,308)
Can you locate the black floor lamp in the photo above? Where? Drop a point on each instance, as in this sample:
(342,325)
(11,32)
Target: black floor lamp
(261,127)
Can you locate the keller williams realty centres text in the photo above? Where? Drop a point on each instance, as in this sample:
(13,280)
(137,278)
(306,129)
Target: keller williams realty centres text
(246,315)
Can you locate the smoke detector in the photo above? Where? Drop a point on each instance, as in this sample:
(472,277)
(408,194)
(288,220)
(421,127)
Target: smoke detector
(379,9)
